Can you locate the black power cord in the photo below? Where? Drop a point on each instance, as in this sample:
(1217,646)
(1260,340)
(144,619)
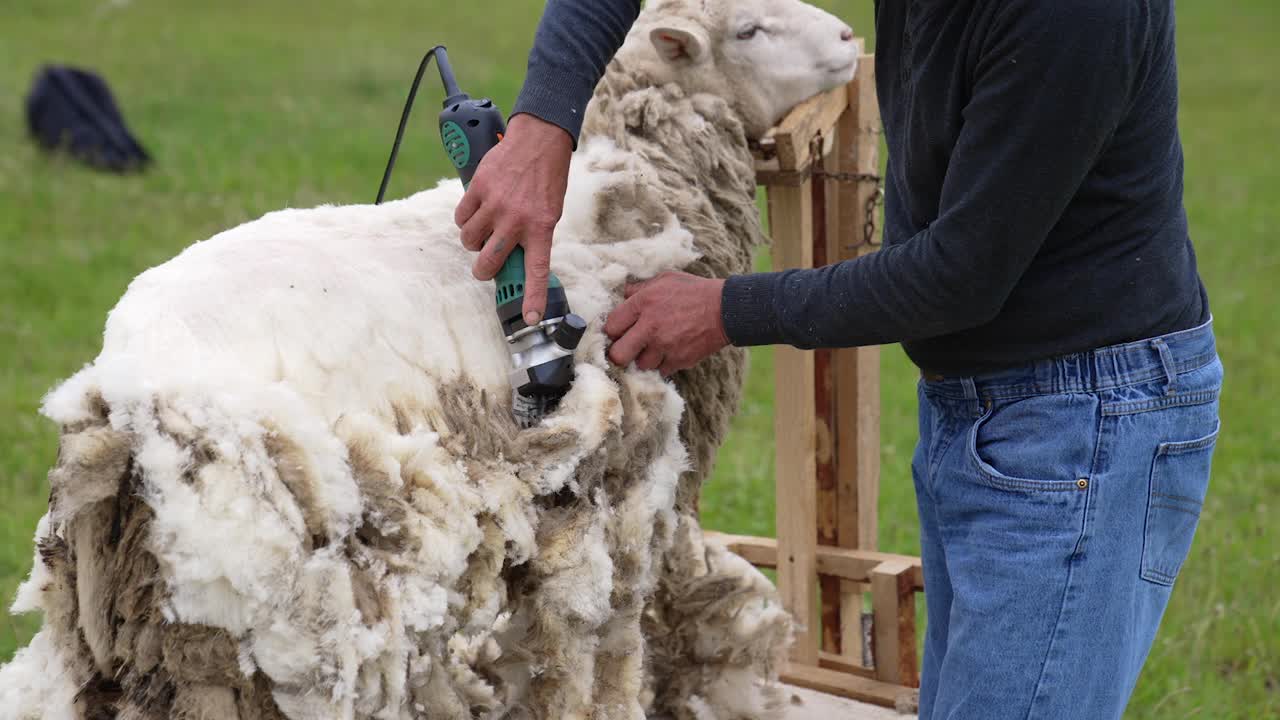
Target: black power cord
(451,90)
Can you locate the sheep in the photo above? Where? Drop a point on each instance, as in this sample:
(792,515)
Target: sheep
(289,485)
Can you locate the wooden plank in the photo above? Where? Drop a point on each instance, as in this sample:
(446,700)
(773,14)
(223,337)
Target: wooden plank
(759,551)
(806,704)
(854,564)
(768,174)
(846,563)
(849,686)
(893,603)
(816,116)
(791,225)
(824,241)
(847,594)
(862,125)
(844,664)
(845,609)
(856,370)
(811,118)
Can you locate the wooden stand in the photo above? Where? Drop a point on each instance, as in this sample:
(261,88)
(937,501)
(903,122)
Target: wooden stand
(820,167)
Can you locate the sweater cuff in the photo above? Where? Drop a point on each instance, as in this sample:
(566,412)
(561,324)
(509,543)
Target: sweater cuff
(557,97)
(749,309)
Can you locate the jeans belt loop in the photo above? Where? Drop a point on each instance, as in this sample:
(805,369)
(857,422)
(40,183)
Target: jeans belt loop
(1170,368)
(971,394)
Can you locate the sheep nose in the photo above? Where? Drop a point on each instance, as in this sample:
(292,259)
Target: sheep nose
(846,34)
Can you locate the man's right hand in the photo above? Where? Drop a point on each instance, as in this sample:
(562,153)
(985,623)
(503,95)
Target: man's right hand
(516,197)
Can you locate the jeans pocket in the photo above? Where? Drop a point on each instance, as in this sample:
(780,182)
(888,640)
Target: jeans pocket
(1044,443)
(1179,481)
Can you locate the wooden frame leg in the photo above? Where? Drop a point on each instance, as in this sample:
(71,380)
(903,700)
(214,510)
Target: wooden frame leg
(795,478)
(893,603)
(855,371)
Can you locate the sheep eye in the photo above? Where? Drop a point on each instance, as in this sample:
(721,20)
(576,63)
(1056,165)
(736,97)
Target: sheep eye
(749,33)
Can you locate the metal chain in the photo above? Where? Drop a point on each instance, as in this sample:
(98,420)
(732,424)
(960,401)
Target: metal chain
(873,200)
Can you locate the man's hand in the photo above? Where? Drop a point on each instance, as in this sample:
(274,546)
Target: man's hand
(516,197)
(669,323)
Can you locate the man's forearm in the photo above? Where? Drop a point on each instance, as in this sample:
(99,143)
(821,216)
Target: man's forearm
(934,284)
(575,40)
(922,288)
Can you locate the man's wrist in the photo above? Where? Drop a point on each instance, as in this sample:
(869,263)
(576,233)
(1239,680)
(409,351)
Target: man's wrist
(527,124)
(550,97)
(722,338)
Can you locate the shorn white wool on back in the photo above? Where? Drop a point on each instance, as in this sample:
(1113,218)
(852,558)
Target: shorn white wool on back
(290,486)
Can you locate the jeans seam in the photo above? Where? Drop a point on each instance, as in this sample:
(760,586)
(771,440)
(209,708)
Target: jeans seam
(1057,630)
(1133,407)
(1093,482)
(1114,382)
(1187,446)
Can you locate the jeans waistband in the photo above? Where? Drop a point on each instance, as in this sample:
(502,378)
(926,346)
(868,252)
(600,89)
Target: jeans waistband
(1163,357)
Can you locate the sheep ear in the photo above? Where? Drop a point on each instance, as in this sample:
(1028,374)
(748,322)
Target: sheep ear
(679,44)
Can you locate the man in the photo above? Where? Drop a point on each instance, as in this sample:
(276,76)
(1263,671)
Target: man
(1036,266)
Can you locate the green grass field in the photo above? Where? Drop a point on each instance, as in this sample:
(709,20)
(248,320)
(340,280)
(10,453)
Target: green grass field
(250,106)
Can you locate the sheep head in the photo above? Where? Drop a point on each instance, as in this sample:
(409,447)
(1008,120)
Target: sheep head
(763,56)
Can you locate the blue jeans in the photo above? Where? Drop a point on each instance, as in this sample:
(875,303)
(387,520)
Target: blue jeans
(1057,503)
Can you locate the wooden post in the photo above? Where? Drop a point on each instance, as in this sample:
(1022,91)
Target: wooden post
(856,370)
(791,225)
(893,601)
(825,239)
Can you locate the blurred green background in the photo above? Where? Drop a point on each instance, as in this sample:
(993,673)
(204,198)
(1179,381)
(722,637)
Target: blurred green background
(252,106)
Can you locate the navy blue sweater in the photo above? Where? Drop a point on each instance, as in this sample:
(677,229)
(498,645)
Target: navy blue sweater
(1034,187)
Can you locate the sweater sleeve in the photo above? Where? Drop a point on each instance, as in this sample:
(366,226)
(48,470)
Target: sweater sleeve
(574,42)
(1048,91)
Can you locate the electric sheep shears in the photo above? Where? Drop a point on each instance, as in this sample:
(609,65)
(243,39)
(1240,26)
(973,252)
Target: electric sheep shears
(542,354)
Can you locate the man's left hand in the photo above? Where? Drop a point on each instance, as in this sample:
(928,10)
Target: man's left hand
(668,323)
